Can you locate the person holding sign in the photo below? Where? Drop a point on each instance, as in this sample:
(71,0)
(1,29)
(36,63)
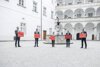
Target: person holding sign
(17,38)
(20,34)
(52,38)
(68,36)
(36,36)
(83,36)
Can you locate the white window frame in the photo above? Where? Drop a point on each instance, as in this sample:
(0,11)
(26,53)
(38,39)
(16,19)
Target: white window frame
(44,11)
(21,3)
(52,14)
(23,27)
(35,6)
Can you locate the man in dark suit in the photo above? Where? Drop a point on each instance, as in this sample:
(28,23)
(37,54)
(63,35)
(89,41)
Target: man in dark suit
(84,39)
(68,40)
(53,40)
(36,39)
(17,39)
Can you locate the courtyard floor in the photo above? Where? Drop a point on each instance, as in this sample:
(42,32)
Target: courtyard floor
(46,56)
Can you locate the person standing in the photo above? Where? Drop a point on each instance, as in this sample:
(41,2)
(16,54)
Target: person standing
(17,38)
(83,39)
(52,37)
(68,37)
(37,35)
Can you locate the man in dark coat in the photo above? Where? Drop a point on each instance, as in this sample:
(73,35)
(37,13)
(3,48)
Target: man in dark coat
(53,40)
(36,39)
(17,39)
(68,40)
(84,39)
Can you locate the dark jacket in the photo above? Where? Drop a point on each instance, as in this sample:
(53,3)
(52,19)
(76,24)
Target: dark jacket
(36,33)
(16,33)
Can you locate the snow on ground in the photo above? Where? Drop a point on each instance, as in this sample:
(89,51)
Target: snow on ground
(46,56)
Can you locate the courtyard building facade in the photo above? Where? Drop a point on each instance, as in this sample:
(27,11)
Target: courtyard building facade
(76,15)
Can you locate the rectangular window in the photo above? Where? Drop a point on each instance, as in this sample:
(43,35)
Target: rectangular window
(21,3)
(51,14)
(34,6)
(44,11)
(90,14)
(23,27)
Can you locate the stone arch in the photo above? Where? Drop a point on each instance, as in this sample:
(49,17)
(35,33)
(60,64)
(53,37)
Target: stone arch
(68,27)
(98,27)
(68,14)
(98,31)
(98,12)
(78,13)
(59,14)
(90,12)
(68,2)
(79,1)
(59,2)
(78,28)
(89,27)
(90,1)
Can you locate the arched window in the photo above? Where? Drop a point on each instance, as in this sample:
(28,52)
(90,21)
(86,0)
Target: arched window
(59,14)
(68,14)
(90,12)
(79,13)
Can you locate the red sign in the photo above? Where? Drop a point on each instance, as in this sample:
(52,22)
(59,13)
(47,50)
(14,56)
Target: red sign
(52,37)
(36,35)
(20,34)
(82,35)
(68,36)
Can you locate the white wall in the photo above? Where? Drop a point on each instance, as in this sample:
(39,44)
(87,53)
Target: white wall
(11,16)
(47,21)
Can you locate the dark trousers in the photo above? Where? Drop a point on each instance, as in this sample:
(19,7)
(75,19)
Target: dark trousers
(84,40)
(17,40)
(36,42)
(67,42)
(53,43)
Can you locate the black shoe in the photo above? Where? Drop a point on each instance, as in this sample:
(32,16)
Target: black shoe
(81,47)
(19,46)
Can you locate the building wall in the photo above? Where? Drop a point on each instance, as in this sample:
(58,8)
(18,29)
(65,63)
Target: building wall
(12,15)
(67,11)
